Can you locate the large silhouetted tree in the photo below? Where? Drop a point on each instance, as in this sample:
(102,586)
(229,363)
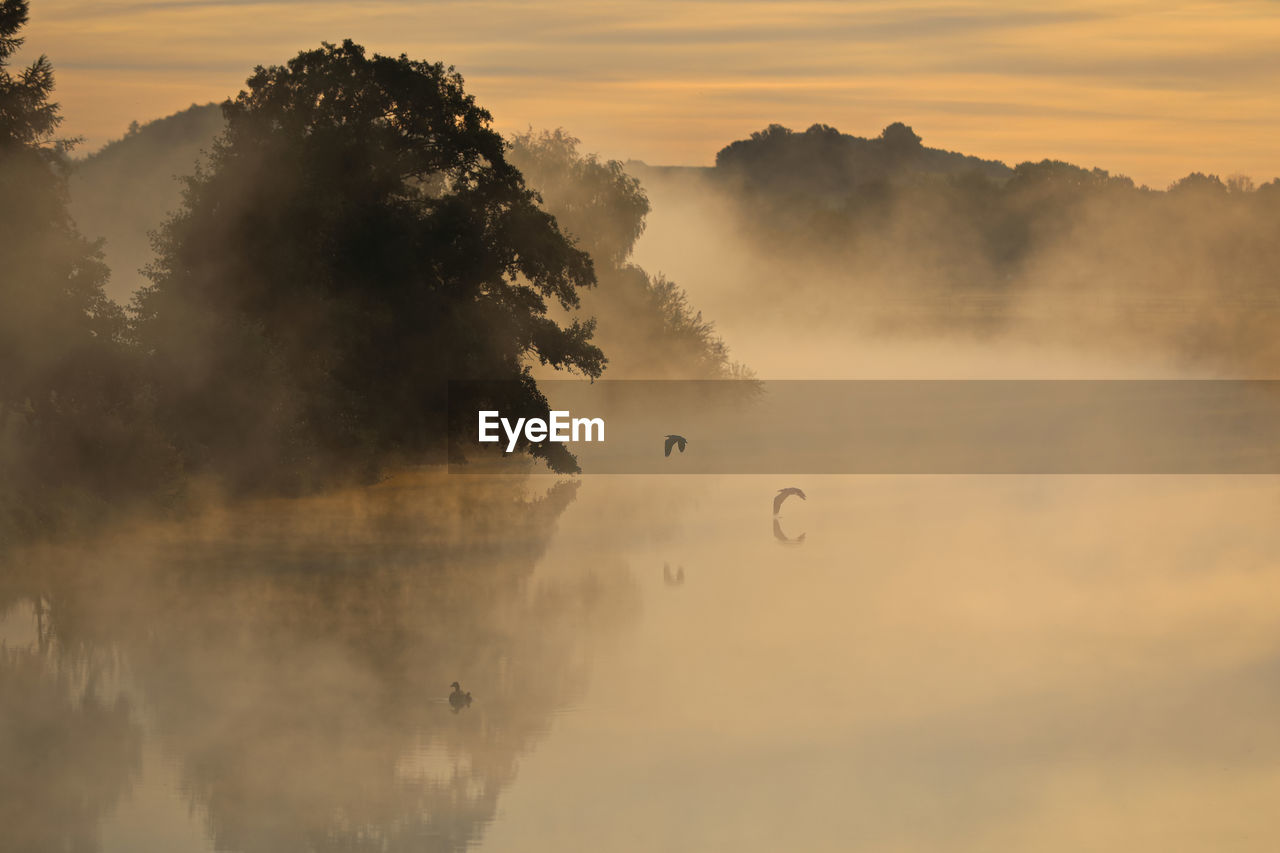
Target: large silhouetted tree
(357,239)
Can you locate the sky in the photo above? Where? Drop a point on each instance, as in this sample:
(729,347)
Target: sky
(1152,90)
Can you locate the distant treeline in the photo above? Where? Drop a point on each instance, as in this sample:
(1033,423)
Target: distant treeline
(863,227)
(826,163)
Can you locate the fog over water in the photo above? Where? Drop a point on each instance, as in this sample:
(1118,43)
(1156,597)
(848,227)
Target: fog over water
(968,663)
(959,661)
(1076,275)
(654,662)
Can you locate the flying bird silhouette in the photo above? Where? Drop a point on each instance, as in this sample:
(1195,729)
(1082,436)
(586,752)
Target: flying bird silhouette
(783,494)
(674,441)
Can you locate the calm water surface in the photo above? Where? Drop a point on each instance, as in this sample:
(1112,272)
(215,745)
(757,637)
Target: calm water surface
(944,663)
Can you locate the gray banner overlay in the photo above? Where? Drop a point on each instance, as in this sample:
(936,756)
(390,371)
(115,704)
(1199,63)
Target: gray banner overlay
(914,426)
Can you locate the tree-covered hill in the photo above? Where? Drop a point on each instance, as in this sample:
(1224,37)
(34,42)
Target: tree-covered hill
(824,162)
(124,190)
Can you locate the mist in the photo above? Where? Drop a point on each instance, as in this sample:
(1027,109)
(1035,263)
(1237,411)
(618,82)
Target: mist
(828,255)
(262,590)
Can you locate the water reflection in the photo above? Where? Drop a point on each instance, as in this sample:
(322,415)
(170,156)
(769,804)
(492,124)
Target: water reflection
(68,753)
(292,656)
(783,538)
(670,578)
(967,664)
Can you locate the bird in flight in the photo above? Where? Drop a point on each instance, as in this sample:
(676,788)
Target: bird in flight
(674,441)
(783,494)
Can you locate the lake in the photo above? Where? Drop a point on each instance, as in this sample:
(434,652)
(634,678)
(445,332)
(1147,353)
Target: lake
(966,663)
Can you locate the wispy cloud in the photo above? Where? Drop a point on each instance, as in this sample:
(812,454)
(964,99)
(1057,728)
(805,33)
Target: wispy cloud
(1002,80)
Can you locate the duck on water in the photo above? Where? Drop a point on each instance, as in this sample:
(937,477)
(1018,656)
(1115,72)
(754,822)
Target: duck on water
(457,699)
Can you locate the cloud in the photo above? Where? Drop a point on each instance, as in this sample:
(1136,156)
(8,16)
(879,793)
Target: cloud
(1000,79)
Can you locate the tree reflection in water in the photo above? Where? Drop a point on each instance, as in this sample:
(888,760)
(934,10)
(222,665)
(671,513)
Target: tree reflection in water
(67,754)
(295,656)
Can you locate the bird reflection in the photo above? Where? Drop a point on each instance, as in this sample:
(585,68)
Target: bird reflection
(676,579)
(783,538)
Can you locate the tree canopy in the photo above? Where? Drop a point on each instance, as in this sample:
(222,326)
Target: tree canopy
(27,117)
(646,322)
(357,240)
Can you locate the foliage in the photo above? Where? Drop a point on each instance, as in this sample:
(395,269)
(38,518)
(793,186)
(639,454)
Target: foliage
(27,117)
(596,202)
(825,165)
(937,241)
(358,240)
(73,423)
(646,323)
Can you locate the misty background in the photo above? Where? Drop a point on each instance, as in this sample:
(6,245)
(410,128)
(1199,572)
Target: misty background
(801,232)
(239,567)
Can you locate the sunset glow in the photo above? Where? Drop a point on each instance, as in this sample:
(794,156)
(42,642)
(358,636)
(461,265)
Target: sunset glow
(1152,90)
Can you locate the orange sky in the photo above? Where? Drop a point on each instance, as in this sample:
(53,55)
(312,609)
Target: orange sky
(1153,90)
